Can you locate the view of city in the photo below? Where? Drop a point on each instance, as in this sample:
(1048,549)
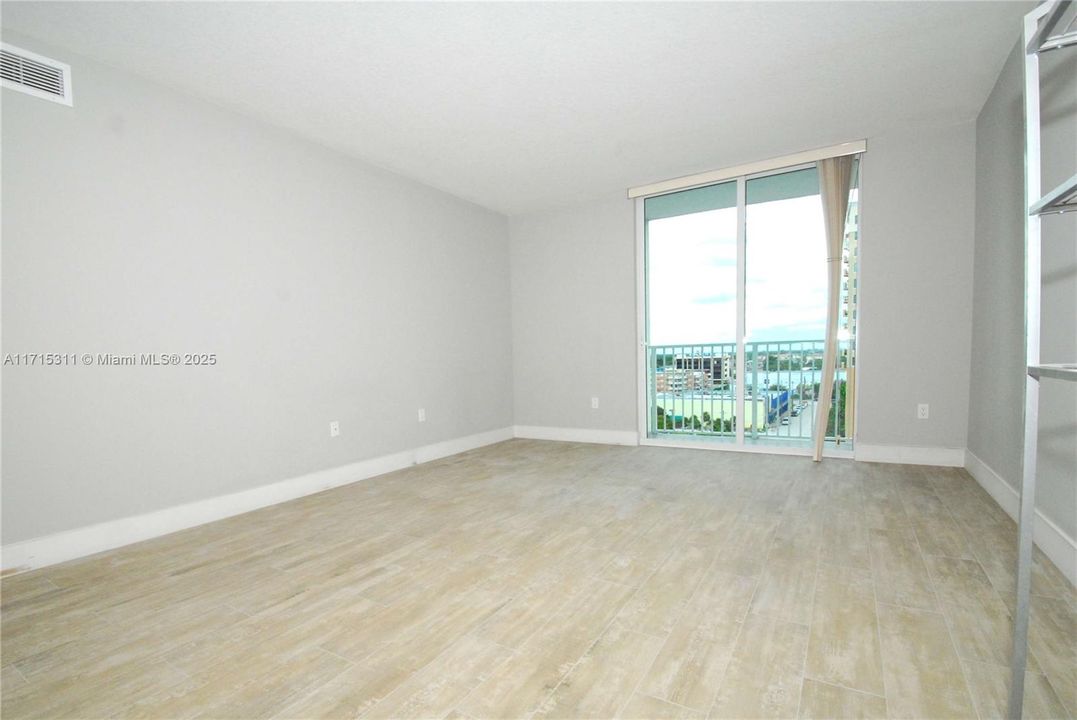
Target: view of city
(694,389)
(692,262)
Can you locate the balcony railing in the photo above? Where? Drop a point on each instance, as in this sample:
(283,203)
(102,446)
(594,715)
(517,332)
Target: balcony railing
(692,390)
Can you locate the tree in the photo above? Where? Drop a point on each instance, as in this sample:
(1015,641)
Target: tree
(837,410)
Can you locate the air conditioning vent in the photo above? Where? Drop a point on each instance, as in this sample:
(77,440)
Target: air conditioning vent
(35,75)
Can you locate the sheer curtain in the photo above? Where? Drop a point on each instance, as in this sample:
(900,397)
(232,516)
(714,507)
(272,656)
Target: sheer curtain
(835,179)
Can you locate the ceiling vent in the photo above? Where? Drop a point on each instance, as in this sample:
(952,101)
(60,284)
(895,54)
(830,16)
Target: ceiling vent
(35,75)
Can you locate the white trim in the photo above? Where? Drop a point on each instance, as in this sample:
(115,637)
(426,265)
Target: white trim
(739,415)
(436,451)
(643,410)
(580,435)
(1059,547)
(67,99)
(715,176)
(914,455)
(761,448)
(71,544)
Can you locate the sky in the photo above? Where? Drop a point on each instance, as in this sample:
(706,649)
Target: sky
(692,261)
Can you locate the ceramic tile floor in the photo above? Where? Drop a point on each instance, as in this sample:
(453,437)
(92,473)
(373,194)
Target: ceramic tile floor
(557,580)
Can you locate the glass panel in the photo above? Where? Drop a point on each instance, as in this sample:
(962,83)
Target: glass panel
(692,266)
(687,202)
(841,427)
(785,304)
(691,256)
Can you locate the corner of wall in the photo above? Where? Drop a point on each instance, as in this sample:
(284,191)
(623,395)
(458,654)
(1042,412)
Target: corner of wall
(1059,547)
(91,539)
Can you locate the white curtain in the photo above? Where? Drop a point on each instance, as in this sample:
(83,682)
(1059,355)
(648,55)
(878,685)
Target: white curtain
(835,178)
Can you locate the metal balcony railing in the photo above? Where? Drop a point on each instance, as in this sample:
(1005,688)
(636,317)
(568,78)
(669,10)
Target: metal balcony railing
(692,390)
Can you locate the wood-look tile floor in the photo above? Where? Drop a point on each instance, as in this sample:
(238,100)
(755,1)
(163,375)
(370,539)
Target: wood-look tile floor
(555,580)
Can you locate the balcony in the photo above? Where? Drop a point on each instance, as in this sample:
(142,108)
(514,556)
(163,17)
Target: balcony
(692,390)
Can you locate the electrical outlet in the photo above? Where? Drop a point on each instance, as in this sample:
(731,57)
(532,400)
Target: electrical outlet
(334,428)
(922,411)
(594,403)
(422,414)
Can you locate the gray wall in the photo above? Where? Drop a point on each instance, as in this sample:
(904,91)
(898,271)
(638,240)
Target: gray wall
(574,310)
(142,220)
(916,271)
(995,409)
(574,317)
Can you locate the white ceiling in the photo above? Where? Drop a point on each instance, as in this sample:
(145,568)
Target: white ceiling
(526,106)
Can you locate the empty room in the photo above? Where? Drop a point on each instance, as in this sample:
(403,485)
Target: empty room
(544,360)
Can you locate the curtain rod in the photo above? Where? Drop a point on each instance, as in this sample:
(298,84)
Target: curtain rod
(714,176)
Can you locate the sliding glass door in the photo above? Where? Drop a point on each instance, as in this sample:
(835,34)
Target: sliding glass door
(692,261)
(735,311)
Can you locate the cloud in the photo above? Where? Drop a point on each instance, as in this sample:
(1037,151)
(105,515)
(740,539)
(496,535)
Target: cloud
(714,299)
(692,280)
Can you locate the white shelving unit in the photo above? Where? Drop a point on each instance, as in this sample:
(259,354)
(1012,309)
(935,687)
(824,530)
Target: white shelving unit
(1051,26)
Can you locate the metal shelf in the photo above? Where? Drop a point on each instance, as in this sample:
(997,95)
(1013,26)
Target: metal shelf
(1062,199)
(1050,26)
(1045,37)
(1058,371)
(1057,42)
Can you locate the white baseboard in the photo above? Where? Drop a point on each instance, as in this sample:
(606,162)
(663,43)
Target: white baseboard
(71,544)
(910,455)
(1051,539)
(581,435)
(709,445)
(436,451)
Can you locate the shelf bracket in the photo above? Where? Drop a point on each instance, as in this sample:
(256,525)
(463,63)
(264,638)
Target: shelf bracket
(1062,199)
(1042,39)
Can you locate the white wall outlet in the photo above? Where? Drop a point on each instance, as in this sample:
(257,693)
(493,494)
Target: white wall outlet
(594,403)
(334,428)
(922,411)
(422,414)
